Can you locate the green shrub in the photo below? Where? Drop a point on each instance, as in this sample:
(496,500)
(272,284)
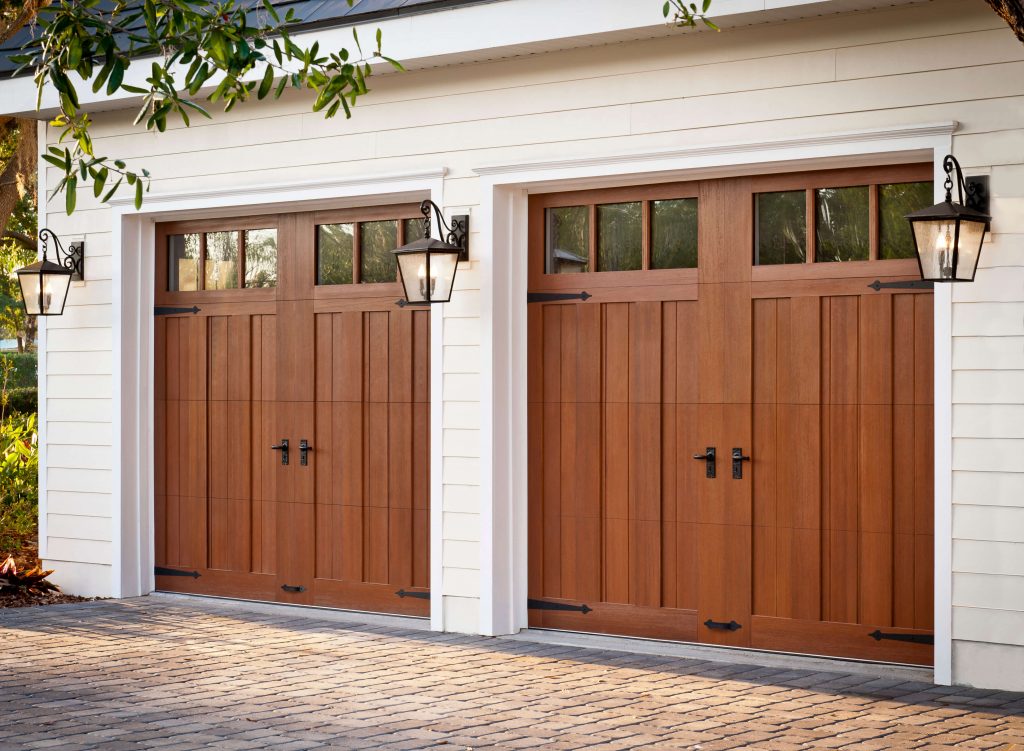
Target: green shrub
(19,480)
(24,373)
(22,401)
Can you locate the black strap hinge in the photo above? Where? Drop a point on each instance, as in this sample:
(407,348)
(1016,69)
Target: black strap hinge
(556,296)
(878,635)
(165,311)
(913,284)
(164,571)
(563,606)
(418,595)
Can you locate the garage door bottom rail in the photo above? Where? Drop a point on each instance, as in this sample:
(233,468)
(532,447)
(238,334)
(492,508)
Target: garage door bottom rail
(281,588)
(843,640)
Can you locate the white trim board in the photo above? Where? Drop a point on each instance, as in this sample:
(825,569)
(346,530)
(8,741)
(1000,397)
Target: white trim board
(133,280)
(502,252)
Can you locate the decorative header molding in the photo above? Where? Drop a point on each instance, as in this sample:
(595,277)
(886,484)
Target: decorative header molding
(945,128)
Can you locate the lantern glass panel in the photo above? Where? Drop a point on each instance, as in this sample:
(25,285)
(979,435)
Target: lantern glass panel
(433,287)
(971,236)
(935,240)
(44,294)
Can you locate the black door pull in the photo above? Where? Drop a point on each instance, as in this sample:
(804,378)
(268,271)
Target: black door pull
(292,588)
(283,448)
(722,625)
(709,457)
(737,463)
(304,449)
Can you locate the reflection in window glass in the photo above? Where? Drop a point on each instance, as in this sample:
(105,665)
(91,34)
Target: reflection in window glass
(842,224)
(334,253)
(568,240)
(413,229)
(781,227)
(221,260)
(377,262)
(674,234)
(619,237)
(183,263)
(895,201)
(261,258)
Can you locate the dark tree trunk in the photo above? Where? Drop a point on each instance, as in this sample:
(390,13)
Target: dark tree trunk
(1011,11)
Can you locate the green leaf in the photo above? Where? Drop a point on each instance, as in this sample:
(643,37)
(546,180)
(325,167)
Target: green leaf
(266,84)
(98,182)
(116,76)
(138,195)
(707,5)
(70,194)
(112,191)
(58,163)
(665,9)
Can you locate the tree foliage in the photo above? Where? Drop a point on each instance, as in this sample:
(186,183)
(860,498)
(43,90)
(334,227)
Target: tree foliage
(219,51)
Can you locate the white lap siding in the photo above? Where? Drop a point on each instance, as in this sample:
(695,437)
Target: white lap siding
(939,61)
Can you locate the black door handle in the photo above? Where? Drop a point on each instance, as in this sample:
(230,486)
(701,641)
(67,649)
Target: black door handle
(737,463)
(722,625)
(304,449)
(709,457)
(283,448)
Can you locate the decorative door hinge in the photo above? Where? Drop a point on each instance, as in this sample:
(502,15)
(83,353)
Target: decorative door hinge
(164,571)
(913,284)
(563,606)
(556,296)
(878,635)
(164,311)
(418,595)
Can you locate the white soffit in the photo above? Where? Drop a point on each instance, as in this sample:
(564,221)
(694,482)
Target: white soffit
(490,31)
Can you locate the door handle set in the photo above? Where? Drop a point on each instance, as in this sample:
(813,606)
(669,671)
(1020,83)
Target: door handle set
(304,449)
(710,457)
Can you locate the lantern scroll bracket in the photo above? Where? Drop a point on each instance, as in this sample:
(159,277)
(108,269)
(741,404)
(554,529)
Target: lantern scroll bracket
(72,259)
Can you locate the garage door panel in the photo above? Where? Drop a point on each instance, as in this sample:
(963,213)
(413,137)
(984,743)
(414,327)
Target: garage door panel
(345,525)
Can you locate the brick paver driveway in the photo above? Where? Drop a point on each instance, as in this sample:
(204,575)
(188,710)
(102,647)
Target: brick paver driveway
(152,673)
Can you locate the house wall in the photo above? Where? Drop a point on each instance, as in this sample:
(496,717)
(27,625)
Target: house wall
(945,60)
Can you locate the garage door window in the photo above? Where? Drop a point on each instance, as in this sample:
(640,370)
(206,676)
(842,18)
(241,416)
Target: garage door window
(621,236)
(222,260)
(359,252)
(832,224)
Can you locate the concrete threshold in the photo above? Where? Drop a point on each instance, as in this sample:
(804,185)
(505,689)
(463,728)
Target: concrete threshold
(232,605)
(734,655)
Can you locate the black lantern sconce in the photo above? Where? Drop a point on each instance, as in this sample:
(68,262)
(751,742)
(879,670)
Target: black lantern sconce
(44,284)
(427,266)
(948,236)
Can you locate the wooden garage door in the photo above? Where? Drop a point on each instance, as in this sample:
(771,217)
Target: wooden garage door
(284,328)
(734,315)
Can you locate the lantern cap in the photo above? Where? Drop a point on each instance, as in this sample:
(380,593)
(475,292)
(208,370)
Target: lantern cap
(949,211)
(427,245)
(44,266)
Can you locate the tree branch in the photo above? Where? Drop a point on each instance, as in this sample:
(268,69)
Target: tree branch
(1011,11)
(26,241)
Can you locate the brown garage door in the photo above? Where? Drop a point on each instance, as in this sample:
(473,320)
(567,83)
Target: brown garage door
(295,338)
(734,315)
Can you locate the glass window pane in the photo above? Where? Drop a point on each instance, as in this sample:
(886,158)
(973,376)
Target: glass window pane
(376,241)
(781,227)
(895,201)
(221,260)
(261,258)
(183,263)
(674,234)
(334,253)
(568,240)
(842,224)
(619,237)
(413,229)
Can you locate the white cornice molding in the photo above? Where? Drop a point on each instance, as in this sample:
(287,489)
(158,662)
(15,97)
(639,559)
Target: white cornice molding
(901,132)
(289,191)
